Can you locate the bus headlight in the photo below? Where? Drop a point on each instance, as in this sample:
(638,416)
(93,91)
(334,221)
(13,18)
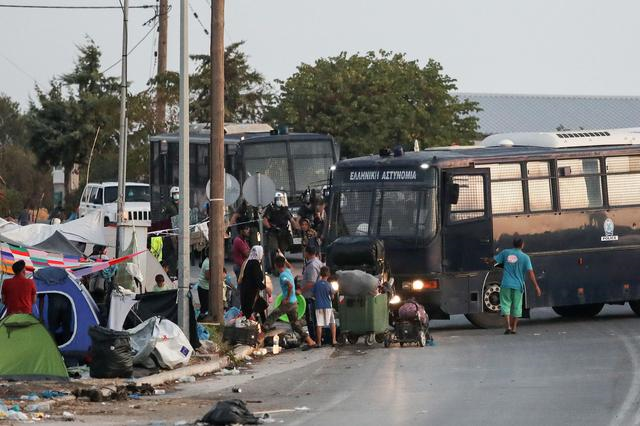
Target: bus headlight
(334,285)
(395,300)
(417,285)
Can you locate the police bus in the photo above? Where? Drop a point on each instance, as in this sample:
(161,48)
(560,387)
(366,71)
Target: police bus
(573,197)
(296,162)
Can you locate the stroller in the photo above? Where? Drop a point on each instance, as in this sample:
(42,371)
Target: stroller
(411,326)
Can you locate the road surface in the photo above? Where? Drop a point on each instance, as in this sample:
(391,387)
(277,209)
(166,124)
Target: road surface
(553,372)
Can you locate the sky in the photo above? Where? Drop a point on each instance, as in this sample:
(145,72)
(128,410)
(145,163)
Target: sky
(560,47)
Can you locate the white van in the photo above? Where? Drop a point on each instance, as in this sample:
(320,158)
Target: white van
(103,197)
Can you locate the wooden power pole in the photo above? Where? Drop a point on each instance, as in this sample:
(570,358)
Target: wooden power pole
(161,101)
(216,162)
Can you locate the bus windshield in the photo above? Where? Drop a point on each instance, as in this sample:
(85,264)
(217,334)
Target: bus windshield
(134,193)
(310,162)
(404,213)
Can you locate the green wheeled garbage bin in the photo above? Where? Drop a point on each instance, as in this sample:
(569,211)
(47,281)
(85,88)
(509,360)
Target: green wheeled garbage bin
(363,315)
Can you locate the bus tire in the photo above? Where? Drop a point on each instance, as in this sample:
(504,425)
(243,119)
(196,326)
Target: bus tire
(490,317)
(579,311)
(635,306)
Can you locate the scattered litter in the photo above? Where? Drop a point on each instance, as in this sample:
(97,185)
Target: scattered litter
(260,352)
(159,392)
(31,397)
(536,334)
(187,379)
(181,423)
(233,411)
(38,416)
(266,418)
(301,408)
(236,389)
(431,342)
(48,394)
(228,372)
(17,416)
(42,407)
(248,358)
(134,396)
(68,416)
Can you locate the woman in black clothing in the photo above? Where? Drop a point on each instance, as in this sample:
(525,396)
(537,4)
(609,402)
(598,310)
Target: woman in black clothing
(251,281)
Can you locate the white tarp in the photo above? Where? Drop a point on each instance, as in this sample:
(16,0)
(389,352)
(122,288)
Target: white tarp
(88,229)
(5,225)
(162,338)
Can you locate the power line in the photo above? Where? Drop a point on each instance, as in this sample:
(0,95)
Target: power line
(132,49)
(26,6)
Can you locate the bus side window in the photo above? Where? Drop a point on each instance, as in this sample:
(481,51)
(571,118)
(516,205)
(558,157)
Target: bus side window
(623,181)
(582,188)
(470,200)
(539,182)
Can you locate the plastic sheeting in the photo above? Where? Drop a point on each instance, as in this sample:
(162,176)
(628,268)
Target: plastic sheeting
(88,229)
(162,339)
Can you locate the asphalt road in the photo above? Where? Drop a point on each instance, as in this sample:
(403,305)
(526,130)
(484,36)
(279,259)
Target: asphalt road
(554,372)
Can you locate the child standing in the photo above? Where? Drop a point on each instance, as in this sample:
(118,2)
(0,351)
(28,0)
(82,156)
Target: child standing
(324,310)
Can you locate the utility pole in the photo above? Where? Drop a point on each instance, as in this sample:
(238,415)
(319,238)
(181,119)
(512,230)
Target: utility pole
(122,149)
(161,101)
(216,162)
(184,264)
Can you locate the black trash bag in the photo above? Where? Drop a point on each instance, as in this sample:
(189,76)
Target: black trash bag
(111,353)
(289,340)
(229,412)
(356,252)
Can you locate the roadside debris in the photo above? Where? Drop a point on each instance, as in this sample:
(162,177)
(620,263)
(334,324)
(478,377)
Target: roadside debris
(233,411)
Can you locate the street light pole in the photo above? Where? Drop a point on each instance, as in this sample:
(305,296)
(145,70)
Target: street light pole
(122,149)
(216,162)
(184,264)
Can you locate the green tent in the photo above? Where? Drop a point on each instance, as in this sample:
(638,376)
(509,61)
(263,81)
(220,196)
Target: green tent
(28,350)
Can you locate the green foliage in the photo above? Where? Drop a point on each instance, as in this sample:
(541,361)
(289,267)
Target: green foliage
(246,93)
(23,185)
(12,124)
(64,124)
(376,100)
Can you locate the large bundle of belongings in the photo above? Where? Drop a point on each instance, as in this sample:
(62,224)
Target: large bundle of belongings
(413,311)
(158,342)
(163,304)
(28,351)
(357,253)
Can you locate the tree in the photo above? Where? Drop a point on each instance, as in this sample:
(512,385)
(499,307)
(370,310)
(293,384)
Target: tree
(376,100)
(64,124)
(246,93)
(12,123)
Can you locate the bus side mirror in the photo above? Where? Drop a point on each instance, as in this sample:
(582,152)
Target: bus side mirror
(453,192)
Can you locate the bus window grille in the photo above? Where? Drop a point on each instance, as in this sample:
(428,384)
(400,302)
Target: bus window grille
(470,203)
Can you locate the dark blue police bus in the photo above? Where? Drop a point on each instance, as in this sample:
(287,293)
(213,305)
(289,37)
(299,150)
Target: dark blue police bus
(574,197)
(296,162)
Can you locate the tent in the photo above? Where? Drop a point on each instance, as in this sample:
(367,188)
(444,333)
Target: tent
(67,309)
(29,352)
(58,243)
(88,229)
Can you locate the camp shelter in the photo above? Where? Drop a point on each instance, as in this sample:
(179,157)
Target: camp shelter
(58,243)
(163,304)
(67,309)
(88,230)
(28,351)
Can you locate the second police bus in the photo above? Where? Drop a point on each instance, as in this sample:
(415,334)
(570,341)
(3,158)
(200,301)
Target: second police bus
(573,197)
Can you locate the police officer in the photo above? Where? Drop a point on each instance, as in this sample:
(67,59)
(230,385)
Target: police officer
(276,220)
(170,243)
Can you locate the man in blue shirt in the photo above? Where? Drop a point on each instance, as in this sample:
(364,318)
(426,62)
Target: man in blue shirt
(323,294)
(516,266)
(289,304)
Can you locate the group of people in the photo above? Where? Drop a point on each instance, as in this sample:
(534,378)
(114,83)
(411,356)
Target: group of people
(313,286)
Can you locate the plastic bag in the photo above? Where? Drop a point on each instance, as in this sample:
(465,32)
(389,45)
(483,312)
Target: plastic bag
(111,353)
(357,283)
(172,346)
(233,411)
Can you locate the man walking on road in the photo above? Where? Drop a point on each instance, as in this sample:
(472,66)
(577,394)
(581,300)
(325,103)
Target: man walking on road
(516,265)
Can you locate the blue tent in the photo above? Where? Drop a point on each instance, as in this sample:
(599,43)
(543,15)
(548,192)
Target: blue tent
(67,309)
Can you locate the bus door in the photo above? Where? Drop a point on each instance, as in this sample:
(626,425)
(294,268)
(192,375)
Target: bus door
(468,228)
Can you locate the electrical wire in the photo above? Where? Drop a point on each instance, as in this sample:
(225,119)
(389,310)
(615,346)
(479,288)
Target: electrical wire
(27,6)
(132,49)
(195,15)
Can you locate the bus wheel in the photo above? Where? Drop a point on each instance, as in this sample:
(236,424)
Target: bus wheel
(579,311)
(635,306)
(490,318)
